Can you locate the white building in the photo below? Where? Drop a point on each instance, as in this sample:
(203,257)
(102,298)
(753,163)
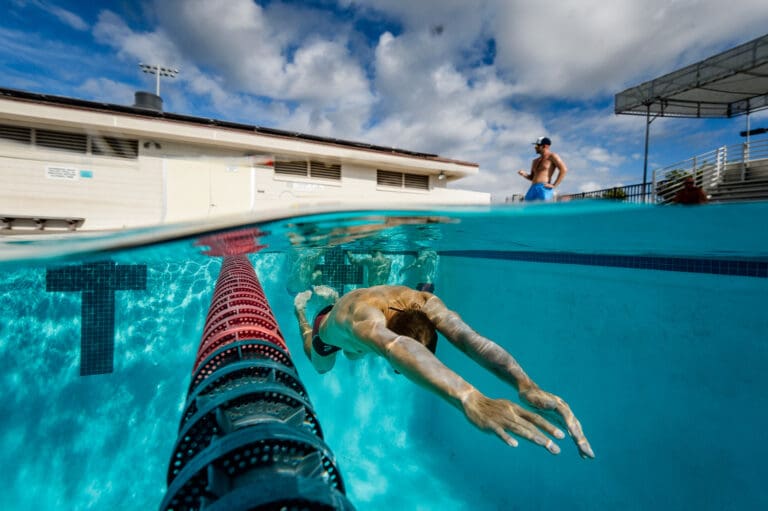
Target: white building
(124,166)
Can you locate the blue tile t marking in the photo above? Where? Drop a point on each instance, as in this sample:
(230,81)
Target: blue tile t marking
(98,283)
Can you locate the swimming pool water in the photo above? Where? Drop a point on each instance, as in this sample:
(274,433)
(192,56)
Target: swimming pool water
(649,321)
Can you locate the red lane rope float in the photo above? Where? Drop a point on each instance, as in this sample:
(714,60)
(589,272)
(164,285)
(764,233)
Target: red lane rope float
(242,241)
(248,438)
(239,309)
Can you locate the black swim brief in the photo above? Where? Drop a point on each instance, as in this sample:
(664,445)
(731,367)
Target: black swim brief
(319,346)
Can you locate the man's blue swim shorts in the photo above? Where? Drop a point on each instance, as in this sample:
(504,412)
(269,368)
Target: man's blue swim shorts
(538,191)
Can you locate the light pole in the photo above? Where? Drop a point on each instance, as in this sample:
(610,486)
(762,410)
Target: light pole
(158,71)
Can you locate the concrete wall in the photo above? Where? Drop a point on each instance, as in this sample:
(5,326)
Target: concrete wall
(108,192)
(188,172)
(177,183)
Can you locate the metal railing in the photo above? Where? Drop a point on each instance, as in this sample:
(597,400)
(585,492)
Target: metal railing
(627,193)
(724,164)
(518,197)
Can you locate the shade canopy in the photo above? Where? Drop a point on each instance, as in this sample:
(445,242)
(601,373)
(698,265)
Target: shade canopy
(731,83)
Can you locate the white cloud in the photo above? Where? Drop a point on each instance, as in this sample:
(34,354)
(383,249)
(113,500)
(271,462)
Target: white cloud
(579,48)
(67,17)
(107,90)
(600,155)
(262,55)
(151,47)
(588,186)
(435,83)
(233,48)
(430,103)
(759,116)
(455,24)
(586,47)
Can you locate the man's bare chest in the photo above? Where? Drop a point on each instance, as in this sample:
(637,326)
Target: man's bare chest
(542,164)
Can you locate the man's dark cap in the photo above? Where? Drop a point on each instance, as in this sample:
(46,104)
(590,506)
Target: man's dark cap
(542,141)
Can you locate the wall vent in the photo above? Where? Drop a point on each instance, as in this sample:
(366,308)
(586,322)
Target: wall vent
(389,178)
(313,169)
(322,170)
(16,133)
(74,142)
(291,168)
(402,180)
(418,181)
(116,147)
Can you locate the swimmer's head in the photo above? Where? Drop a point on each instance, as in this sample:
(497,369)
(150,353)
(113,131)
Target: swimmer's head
(415,324)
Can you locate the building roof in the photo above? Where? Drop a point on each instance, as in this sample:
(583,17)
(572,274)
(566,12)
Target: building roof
(731,83)
(149,113)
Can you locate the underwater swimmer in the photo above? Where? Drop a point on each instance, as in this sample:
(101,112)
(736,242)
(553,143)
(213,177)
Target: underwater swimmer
(400,324)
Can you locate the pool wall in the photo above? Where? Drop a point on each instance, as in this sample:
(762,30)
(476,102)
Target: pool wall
(665,376)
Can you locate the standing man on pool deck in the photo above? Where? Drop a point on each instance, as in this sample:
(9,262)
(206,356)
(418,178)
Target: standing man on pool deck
(542,170)
(399,324)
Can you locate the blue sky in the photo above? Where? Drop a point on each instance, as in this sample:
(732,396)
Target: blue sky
(476,81)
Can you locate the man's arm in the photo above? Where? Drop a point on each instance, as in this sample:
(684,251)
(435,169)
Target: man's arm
(419,365)
(300,310)
(528,176)
(562,170)
(480,349)
(497,360)
(320,363)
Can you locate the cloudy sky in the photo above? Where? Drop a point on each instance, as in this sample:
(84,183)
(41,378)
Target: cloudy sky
(472,80)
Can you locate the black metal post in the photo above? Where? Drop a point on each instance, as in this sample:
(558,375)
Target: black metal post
(645,160)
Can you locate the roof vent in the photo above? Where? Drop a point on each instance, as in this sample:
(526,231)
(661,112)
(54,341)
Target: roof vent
(149,101)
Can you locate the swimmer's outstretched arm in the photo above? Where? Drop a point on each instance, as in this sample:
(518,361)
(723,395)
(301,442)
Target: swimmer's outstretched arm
(497,360)
(320,363)
(418,364)
(300,310)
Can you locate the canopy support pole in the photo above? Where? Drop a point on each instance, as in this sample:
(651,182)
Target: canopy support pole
(648,121)
(747,128)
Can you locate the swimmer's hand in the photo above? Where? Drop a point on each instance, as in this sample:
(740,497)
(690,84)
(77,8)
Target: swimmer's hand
(327,293)
(500,416)
(549,185)
(559,411)
(300,301)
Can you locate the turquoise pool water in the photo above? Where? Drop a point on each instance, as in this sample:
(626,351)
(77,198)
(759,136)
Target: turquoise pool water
(649,321)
